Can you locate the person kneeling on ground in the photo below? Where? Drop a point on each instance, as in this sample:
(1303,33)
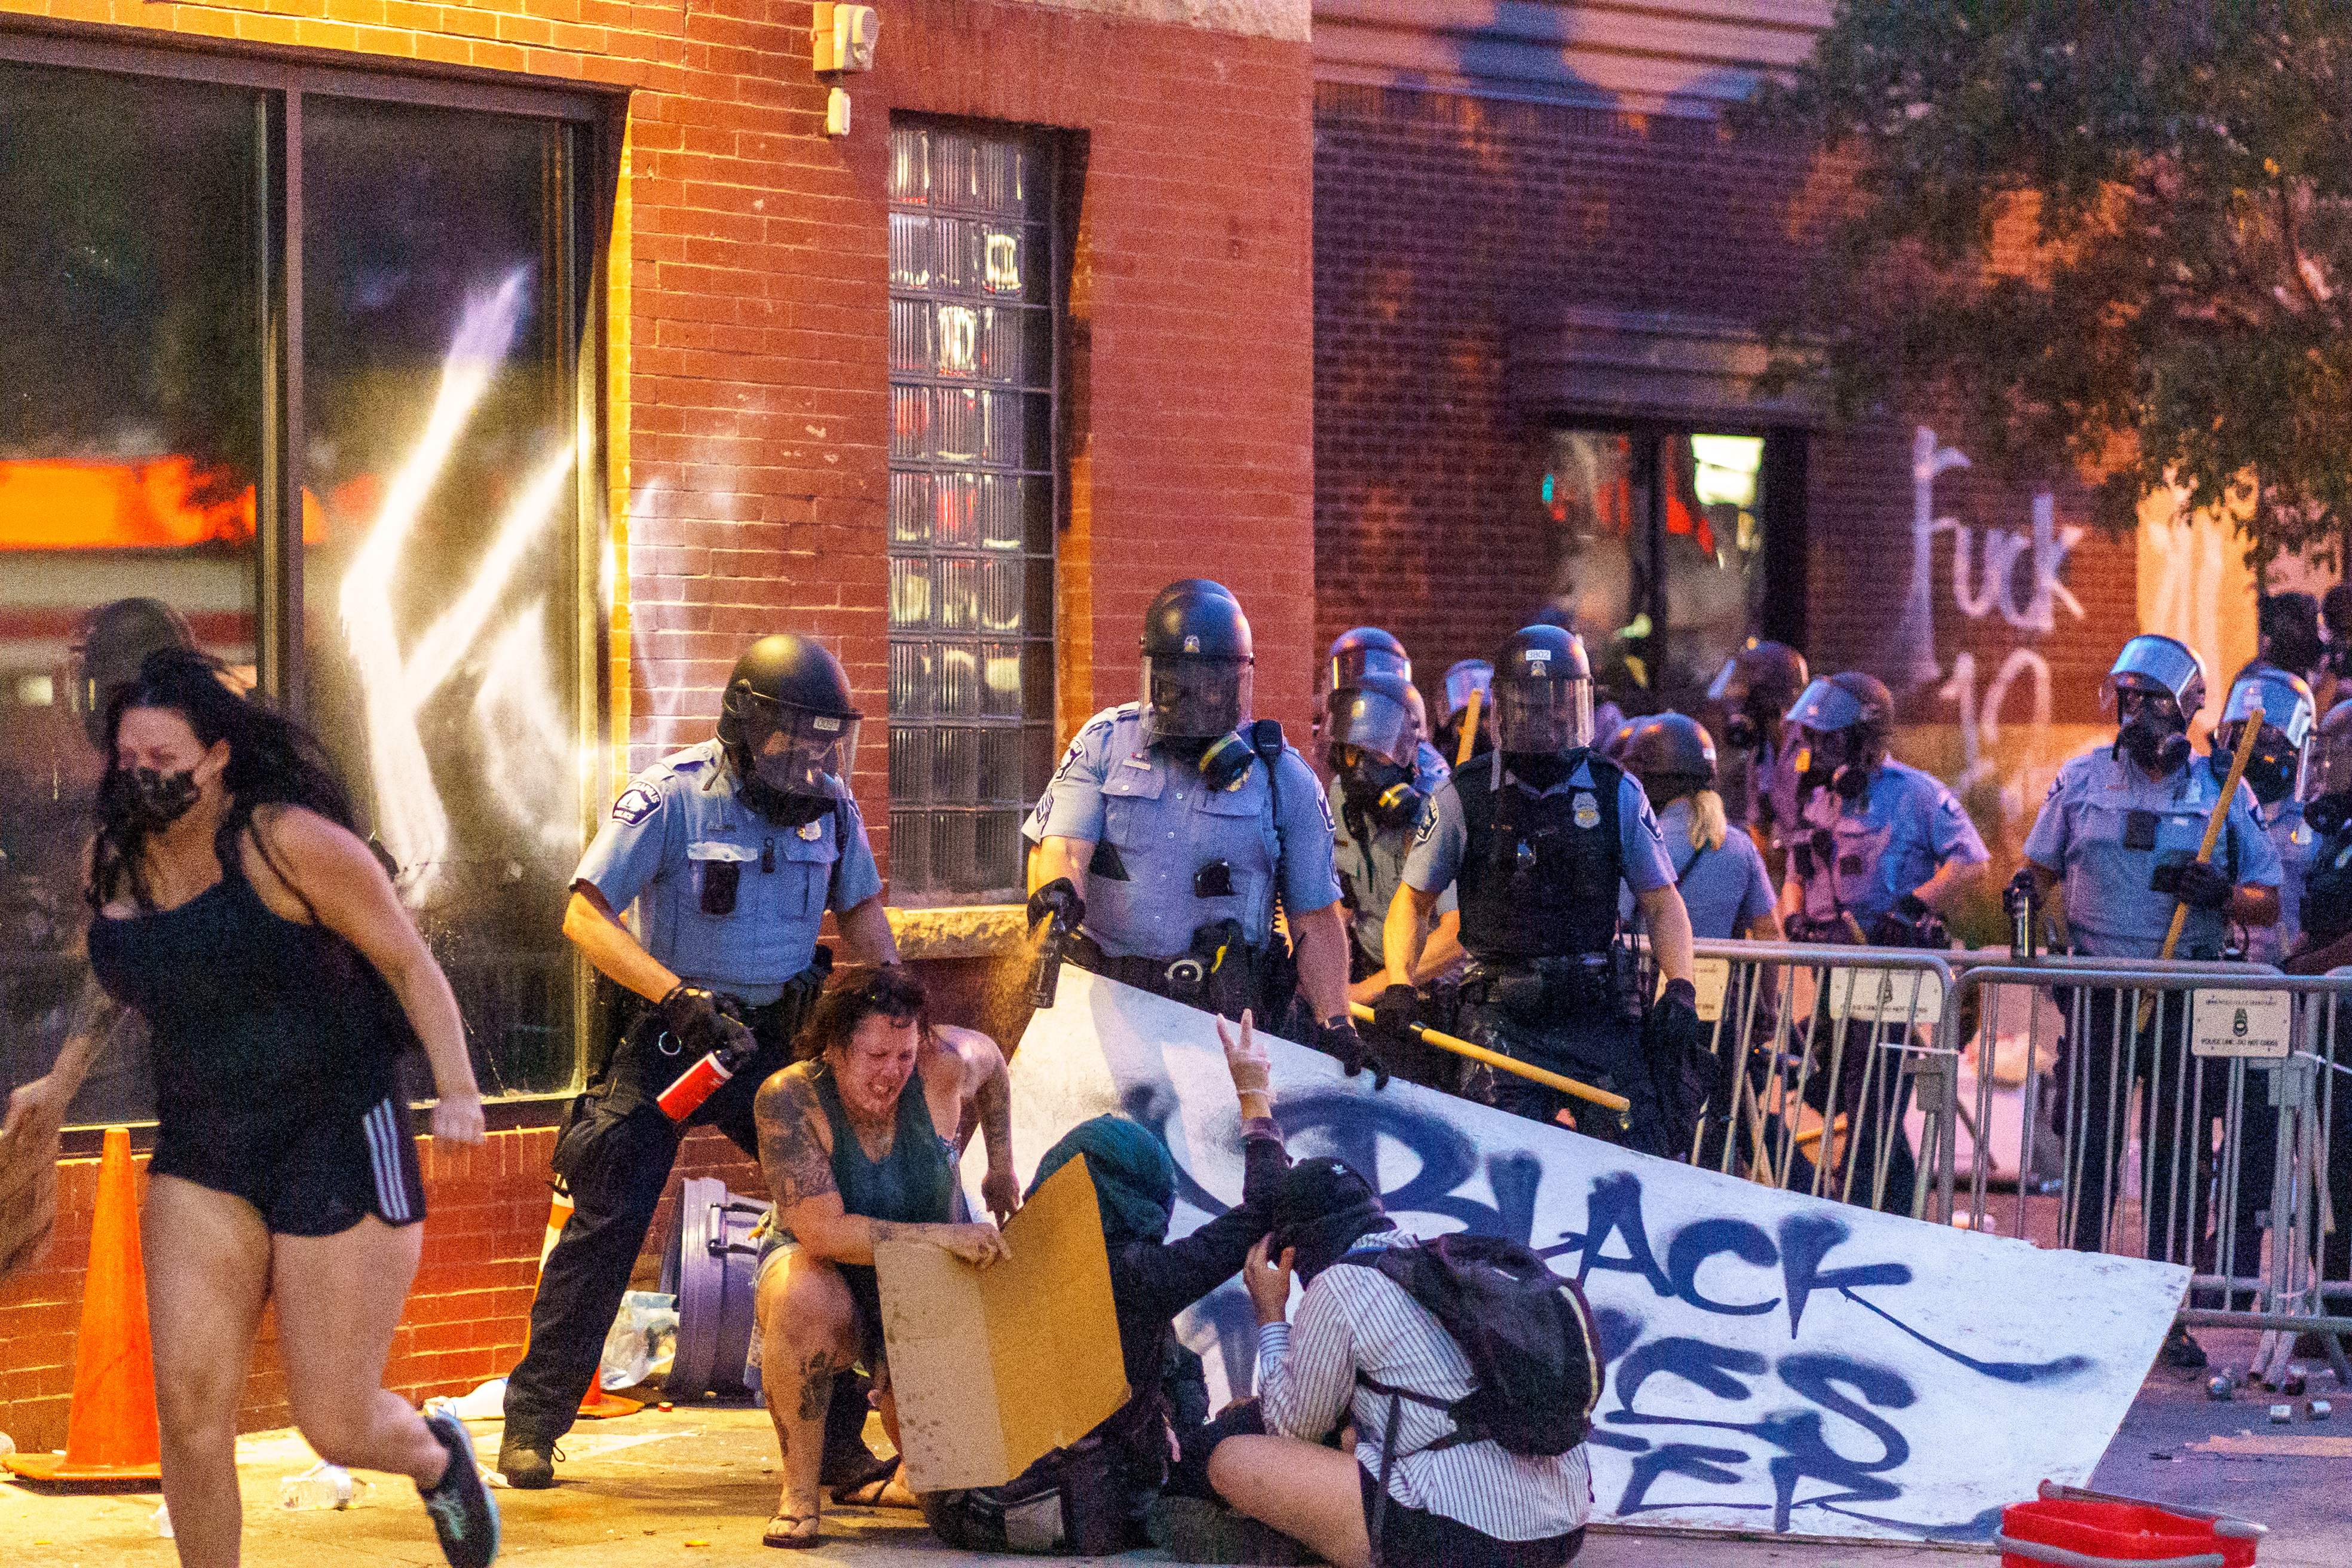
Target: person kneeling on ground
(1365,1352)
(1089,1498)
(849,1141)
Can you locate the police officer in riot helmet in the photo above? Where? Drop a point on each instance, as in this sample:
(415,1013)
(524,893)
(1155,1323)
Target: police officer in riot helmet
(2275,772)
(1463,677)
(1534,842)
(2120,828)
(1174,824)
(1382,773)
(1753,691)
(1877,853)
(1720,873)
(1354,654)
(732,850)
(1879,849)
(2325,907)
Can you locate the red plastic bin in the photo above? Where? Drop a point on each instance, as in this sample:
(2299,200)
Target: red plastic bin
(2070,1528)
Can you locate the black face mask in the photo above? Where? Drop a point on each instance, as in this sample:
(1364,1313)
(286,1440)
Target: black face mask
(2328,813)
(1544,770)
(2270,771)
(1741,734)
(149,801)
(2160,746)
(785,808)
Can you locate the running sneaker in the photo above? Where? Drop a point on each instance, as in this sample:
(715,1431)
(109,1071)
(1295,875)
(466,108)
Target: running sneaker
(464,1515)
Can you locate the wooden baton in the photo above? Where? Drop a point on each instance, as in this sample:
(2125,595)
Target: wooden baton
(2248,733)
(1462,1047)
(1469,728)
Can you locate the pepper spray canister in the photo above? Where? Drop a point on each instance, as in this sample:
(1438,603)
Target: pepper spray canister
(697,1083)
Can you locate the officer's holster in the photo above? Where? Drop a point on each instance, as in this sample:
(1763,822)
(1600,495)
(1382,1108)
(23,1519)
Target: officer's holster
(613,1127)
(1219,972)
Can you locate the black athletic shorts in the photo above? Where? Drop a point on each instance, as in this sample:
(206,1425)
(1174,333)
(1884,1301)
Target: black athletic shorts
(1414,1535)
(317,1173)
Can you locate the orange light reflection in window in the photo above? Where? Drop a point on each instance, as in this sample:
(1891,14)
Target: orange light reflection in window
(66,505)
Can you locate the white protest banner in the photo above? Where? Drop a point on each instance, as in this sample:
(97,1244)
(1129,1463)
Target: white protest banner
(1776,1363)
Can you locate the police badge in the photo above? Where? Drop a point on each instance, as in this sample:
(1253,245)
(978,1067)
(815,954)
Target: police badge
(1588,810)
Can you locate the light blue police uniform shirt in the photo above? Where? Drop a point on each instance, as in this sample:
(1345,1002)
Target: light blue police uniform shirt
(1373,868)
(1440,836)
(2110,908)
(1903,830)
(2297,845)
(1167,824)
(1726,888)
(680,817)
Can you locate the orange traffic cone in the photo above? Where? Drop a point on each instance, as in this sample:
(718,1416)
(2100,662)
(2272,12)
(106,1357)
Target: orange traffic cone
(111,1433)
(599,1406)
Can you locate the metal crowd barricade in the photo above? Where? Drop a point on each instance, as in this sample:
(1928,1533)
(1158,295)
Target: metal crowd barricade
(2181,1111)
(1820,1050)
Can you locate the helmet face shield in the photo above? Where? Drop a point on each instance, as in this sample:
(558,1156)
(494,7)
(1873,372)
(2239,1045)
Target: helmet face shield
(2152,664)
(2327,760)
(1350,665)
(1824,706)
(797,752)
(1539,717)
(1470,675)
(1192,697)
(2286,702)
(1372,722)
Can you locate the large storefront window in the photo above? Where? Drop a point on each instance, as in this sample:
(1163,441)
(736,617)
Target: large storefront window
(971,506)
(440,294)
(1659,560)
(363,494)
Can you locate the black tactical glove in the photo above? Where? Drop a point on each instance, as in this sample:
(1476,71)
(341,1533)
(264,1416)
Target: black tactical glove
(1903,924)
(1338,1040)
(2194,882)
(1396,1011)
(1058,897)
(1673,1026)
(703,1021)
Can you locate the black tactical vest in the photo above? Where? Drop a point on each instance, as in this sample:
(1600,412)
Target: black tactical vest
(2328,889)
(1539,873)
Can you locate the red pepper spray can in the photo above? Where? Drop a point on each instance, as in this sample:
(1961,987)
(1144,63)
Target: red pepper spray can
(697,1084)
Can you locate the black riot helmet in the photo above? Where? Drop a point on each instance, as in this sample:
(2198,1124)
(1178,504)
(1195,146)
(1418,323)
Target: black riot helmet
(1670,755)
(790,729)
(1365,651)
(1374,733)
(1848,719)
(1755,687)
(1197,663)
(1543,694)
(114,641)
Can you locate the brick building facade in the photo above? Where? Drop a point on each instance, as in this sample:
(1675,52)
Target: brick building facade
(739,433)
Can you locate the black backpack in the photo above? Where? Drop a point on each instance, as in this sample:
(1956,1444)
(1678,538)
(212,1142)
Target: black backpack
(1534,1355)
(1528,1335)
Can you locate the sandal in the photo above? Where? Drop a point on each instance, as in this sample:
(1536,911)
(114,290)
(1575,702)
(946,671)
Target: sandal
(793,1531)
(883,1491)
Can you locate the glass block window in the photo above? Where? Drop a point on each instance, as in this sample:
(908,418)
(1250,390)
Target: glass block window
(972,505)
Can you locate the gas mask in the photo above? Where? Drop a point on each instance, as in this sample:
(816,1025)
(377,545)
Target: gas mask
(1381,789)
(1544,770)
(2155,737)
(148,801)
(2270,771)
(1741,735)
(2328,813)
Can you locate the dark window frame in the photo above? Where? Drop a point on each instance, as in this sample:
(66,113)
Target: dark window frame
(282,78)
(1782,479)
(1061,156)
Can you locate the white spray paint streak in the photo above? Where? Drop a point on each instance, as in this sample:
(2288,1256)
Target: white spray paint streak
(2190,551)
(526,740)
(410,817)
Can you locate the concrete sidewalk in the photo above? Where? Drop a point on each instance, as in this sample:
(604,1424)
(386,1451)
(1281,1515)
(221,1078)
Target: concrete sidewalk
(695,1485)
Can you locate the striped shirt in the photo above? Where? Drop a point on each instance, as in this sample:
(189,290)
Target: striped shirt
(1354,1318)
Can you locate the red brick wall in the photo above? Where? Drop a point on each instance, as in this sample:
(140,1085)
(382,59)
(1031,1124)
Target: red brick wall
(750,423)
(1448,227)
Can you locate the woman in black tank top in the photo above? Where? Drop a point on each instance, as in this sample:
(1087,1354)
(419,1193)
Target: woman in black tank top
(236,909)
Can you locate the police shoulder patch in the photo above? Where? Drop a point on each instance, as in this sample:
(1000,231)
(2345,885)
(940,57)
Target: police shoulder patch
(1425,827)
(637,802)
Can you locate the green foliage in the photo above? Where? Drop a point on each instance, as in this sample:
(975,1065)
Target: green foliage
(2117,232)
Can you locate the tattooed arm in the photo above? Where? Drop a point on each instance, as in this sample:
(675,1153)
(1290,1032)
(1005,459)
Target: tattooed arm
(36,1109)
(796,1156)
(970,1067)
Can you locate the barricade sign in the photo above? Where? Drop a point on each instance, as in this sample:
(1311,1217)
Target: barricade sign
(1710,977)
(1886,995)
(2257,1024)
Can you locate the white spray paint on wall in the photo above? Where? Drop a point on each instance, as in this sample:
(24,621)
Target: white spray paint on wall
(1984,583)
